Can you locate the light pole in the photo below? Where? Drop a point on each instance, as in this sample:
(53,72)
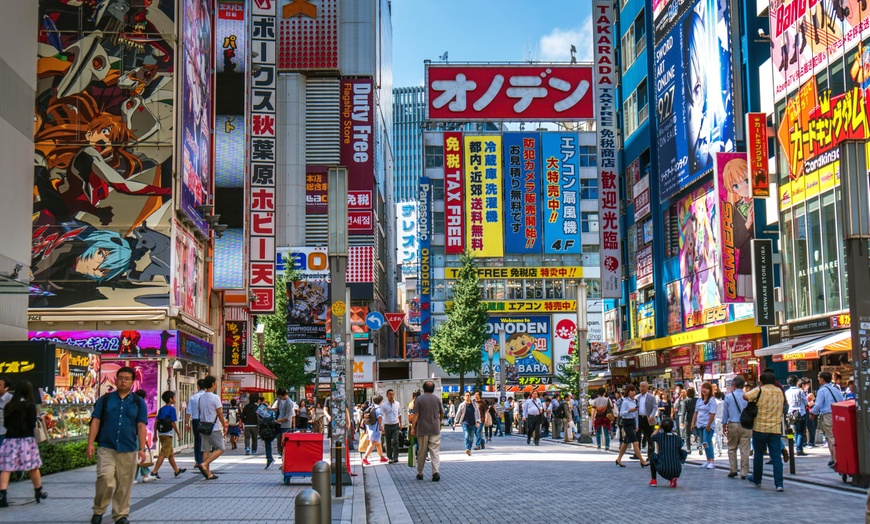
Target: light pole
(501,362)
(490,350)
(583,357)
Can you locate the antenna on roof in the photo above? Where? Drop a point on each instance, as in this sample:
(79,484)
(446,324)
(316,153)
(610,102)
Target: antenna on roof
(443,57)
(573,54)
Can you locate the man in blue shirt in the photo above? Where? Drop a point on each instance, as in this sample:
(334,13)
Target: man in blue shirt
(118,424)
(797,409)
(825,397)
(738,436)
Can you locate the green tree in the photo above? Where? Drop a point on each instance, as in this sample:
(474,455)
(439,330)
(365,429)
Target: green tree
(287,361)
(457,344)
(566,374)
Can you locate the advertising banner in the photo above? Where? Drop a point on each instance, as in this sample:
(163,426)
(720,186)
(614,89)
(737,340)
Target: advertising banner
(406,230)
(523,192)
(646,320)
(33,361)
(509,92)
(307,308)
(229,154)
(454,195)
(262,102)
(644,264)
(693,87)
(737,225)
(681,356)
(308,38)
(483,182)
(310,263)
(235,343)
(316,190)
(675,308)
(641,198)
(666,13)
(700,271)
(806,34)
(357,147)
(424,235)
(195,349)
(118,344)
(496,273)
(528,348)
(530,306)
(606,106)
(763,290)
(230,37)
(561,193)
(565,327)
(757,154)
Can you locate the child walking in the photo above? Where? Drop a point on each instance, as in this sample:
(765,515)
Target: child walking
(166,424)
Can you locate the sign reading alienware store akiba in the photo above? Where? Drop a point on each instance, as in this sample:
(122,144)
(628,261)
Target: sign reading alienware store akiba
(528,346)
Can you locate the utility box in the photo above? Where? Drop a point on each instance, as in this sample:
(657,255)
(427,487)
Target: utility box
(845,437)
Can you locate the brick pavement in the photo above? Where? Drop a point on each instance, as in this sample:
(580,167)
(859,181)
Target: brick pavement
(567,480)
(245,492)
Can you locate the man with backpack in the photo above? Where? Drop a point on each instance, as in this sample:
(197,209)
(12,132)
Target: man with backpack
(766,428)
(165,425)
(267,429)
(250,421)
(738,436)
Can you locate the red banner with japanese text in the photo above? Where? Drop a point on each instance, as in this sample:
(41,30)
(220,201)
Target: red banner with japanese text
(757,154)
(454,195)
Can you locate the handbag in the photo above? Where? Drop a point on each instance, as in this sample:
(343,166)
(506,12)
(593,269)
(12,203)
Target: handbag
(609,412)
(363,442)
(40,432)
(149,459)
(206,429)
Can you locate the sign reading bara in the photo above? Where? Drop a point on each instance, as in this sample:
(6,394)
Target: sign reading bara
(510,92)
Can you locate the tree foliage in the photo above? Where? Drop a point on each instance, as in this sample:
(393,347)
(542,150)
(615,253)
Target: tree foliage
(287,361)
(566,374)
(457,344)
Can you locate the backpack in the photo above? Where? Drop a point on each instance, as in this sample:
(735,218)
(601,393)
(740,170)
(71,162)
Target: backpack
(163,425)
(747,416)
(233,417)
(560,411)
(371,416)
(266,426)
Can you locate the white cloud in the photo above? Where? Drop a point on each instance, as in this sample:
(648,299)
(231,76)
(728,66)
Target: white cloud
(556,46)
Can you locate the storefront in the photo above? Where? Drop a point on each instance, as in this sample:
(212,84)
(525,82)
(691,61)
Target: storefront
(251,378)
(652,367)
(821,344)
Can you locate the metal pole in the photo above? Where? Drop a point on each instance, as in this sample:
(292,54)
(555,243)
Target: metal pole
(307,509)
(583,356)
(320,480)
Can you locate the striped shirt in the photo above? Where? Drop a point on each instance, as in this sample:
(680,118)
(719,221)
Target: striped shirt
(769,419)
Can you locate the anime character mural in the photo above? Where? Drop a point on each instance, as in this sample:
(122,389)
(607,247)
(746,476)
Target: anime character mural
(699,252)
(103,159)
(737,222)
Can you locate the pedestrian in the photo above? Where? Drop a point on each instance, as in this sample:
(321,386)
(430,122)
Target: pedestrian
(468,417)
(718,434)
(144,467)
(302,417)
(211,413)
(391,411)
(286,416)
(427,429)
(767,429)
(249,419)
(601,422)
(669,456)
(518,414)
(705,417)
(738,436)
(680,411)
(837,381)
(849,393)
(665,406)
(191,415)
(479,442)
(5,397)
(118,425)
(557,409)
(688,427)
(451,415)
(797,411)
(321,417)
(508,409)
(19,450)
(546,417)
(647,407)
(235,423)
(374,422)
(490,420)
(826,396)
(165,424)
(533,411)
(267,429)
(809,422)
(628,415)
(498,409)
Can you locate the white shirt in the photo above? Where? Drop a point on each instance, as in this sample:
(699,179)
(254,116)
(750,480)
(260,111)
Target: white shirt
(193,405)
(209,404)
(391,411)
(628,404)
(705,411)
(532,407)
(641,405)
(3,401)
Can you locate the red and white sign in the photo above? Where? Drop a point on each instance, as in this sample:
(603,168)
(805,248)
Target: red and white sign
(231,11)
(308,36)
(357,149)
(454,195)
(641,198)
(359,200)
(757,153)
(359,221)
(395,320)
(605,105)
(527,92)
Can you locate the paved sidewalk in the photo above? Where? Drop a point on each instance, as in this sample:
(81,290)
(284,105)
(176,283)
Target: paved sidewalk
(245,492)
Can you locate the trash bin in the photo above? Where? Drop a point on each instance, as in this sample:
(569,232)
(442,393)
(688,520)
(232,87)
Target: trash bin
(845,438)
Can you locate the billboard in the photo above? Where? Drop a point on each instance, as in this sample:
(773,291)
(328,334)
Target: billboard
(549,272)
(508,92)
(644,264)
(564,329)
(757,154)
(229,260)
(666,13)
(693,87)
(188,279)
(261,103)
(700,272)
(737,225)
(561,193)
(310,263)
(316,190)
(763,290)
(606,111)
(130,343)
(235,343)
(230,37)
(406,230)
(805,33)
(675,307)
(424,235)
(229,155)
(308,37)
(523,193)
(528,346)
(642,202)
(307,307)
(357,147)
(454,195)
(483,182)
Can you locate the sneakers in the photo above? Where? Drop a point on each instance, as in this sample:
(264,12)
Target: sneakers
(673,483)
(732,475)
(247,451)
(384,459)
(366,462)
(752,481)
(436,477)
(269,463)
(653,483)
(779,489)
(148,478)
(154,475)
(468,452)
(180,471)
(710,465)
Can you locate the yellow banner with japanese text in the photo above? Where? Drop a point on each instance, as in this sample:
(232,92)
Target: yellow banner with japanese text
(496,273)
(529,306)
(483,183)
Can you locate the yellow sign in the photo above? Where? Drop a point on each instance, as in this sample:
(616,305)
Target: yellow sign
(741,327)
(496,273)
(338,308)
(483,186)
(529,306)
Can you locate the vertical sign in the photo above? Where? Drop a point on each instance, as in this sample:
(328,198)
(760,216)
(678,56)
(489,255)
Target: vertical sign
(454,194)
(235,343)
(424,232)
(561,183)
(357,149)
(262,150)
(641,198)
(605,104)
(737,225)
(762,283)
(406,228)
(483,180)
(522,192)
(757,154)
(316,190)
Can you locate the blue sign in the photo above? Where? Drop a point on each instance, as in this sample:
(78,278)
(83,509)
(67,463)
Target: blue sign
(561,204)
(375,320)
(522,212)
(424,284)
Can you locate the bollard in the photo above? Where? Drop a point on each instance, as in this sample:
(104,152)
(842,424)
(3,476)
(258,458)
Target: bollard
(307,507)
(338,458)
(410,449)
(320,481)
(791,462)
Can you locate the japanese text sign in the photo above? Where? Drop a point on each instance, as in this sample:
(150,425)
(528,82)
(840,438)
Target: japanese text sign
(406,241)
(757,153)
(357,149)
(641,198)
(424,285)
(235,343)
(561,193)
(527,92)
(316,190)
(522,192)
(483,173)
(454,195)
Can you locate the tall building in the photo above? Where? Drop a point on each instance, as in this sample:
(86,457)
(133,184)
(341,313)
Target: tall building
(409,113)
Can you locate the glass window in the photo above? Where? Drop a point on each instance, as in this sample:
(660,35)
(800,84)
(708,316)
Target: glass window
(438,222)
(534,289)
(816,261)
(554,288)
(800,256)
(589,222)
(593,289)
(570,290)
(787,266)
(437,191)
(586,155)
(515,289)
(832,255)
(434,156)
(589,188)
(439,290)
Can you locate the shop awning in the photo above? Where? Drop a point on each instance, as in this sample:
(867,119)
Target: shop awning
(621,356)
(254,366)
(813,350)
(787,345)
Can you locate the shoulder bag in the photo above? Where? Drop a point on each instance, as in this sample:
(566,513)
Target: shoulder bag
(747,416)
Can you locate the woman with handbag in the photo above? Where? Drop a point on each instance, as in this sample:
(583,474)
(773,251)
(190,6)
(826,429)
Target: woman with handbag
(603,418)
(628,413)
(19,451)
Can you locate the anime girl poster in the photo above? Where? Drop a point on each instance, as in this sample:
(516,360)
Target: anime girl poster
(737,225)
(699,252)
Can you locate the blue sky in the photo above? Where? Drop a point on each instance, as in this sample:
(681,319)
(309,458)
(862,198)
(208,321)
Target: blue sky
(486,30)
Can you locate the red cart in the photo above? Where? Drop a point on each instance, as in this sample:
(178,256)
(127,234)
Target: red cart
(845,438)
(301,452)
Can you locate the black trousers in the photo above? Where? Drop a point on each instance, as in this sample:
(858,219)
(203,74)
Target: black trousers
(508,422)
(533,427)
(646,431)
(391,436)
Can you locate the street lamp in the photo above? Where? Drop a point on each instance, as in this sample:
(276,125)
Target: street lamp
(583,357)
